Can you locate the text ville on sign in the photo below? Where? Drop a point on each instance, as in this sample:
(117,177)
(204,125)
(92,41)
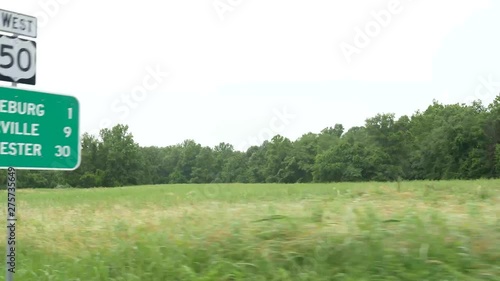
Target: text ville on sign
(18,23)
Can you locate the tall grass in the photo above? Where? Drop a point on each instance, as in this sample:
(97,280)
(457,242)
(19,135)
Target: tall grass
(447,230)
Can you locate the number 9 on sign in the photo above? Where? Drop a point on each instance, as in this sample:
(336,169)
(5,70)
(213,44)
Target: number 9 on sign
(63,151)
(67,131)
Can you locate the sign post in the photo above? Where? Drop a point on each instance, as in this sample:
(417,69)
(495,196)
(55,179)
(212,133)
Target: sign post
(11,215)
(38,131)
(11,224)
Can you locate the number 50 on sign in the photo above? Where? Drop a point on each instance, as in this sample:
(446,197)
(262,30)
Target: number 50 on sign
(17,60)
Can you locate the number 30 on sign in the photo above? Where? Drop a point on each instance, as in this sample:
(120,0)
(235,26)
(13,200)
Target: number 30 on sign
(17,60)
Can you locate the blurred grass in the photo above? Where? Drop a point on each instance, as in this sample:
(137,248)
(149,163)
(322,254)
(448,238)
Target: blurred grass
(447,230)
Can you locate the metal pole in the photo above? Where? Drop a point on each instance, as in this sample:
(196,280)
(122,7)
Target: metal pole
(10,262)
(11,224)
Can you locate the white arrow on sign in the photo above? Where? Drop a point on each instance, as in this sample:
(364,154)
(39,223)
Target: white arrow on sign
(17,60)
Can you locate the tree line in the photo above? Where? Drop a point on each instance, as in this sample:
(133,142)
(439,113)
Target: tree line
(444,142)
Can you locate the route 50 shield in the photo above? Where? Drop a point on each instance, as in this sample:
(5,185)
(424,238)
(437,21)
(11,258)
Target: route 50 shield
(17,60)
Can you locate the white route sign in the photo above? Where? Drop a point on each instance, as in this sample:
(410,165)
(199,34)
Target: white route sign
(17,60)
(18,24)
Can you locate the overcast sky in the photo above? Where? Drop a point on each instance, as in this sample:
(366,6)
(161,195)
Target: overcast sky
(239,71)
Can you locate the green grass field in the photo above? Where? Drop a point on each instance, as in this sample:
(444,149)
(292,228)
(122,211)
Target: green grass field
(447,230)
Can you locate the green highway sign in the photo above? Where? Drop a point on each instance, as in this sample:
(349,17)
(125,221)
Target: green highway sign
(38,131)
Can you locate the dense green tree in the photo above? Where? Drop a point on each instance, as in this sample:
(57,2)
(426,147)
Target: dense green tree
(204,168)
(304,154)
(497,160)
(152,165)
(235,169)
(171,158)
(387,137)
(256,163)
(493,136)
(85,175)
(119,157)
(455,141)
(186,162)
(276,152)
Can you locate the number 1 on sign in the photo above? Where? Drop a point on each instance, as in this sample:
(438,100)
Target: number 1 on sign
(70,113)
